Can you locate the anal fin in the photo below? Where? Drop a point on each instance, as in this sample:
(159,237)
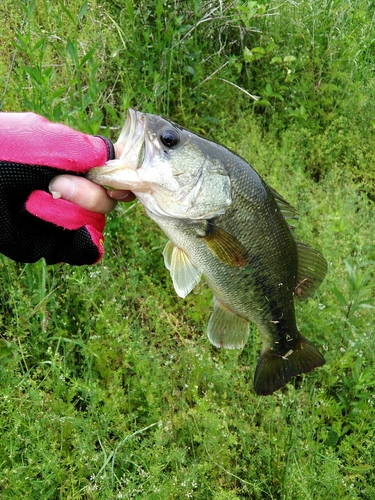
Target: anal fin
(274,370)
(226,329)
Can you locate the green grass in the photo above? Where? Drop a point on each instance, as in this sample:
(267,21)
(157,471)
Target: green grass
(109,387)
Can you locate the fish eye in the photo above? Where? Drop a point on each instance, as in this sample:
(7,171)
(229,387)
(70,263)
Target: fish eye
(169,137)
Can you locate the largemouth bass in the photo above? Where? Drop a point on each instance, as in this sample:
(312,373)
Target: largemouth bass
(227,225)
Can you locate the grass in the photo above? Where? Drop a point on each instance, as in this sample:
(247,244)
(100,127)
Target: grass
(109,387)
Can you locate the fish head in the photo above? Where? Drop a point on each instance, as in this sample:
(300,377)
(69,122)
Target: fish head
(172,171)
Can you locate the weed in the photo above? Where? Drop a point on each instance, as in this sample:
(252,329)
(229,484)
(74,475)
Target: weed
(109,387)
(359,289)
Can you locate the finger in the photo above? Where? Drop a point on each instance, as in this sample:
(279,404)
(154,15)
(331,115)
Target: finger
(83,193)
(121,195)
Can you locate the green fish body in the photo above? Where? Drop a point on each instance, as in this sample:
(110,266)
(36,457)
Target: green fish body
(227,225)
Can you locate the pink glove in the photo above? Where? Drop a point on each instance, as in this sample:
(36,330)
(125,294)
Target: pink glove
(32,223)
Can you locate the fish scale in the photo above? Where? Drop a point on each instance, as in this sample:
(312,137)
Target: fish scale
(227,225)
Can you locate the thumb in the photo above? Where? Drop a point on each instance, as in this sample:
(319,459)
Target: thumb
(82,192)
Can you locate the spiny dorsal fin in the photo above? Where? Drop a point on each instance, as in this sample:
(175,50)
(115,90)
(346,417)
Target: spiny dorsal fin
(312,268)
(225,246)
(286,208)
(226,329)
(185,275)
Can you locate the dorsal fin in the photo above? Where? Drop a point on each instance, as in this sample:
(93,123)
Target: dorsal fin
(286,208)
(312,268)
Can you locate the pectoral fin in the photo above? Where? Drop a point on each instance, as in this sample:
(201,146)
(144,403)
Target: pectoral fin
(185,275)
(226,329)
(225,246)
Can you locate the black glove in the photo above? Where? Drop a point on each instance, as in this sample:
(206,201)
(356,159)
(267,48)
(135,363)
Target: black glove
(32,223)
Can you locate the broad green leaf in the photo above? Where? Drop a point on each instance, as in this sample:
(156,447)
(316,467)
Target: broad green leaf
(72,51)
(248,55)
(82,11)
(289,59)
(340,296)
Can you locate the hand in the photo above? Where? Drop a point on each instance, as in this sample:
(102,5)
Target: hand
(66,226)
(86,194)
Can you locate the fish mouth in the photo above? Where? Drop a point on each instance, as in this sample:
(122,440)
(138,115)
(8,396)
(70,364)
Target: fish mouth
(132,138)
(131,143)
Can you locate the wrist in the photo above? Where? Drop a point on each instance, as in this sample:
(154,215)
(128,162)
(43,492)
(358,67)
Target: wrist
(111,150)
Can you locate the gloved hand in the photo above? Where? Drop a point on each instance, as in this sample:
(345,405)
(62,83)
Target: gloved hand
(32,223)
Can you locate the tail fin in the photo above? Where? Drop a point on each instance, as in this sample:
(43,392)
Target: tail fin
(274,371)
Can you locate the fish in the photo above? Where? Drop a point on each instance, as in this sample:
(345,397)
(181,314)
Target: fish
(227,225)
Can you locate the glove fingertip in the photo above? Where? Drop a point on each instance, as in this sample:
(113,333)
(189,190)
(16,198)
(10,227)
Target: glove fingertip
(62,213)
(98,240)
